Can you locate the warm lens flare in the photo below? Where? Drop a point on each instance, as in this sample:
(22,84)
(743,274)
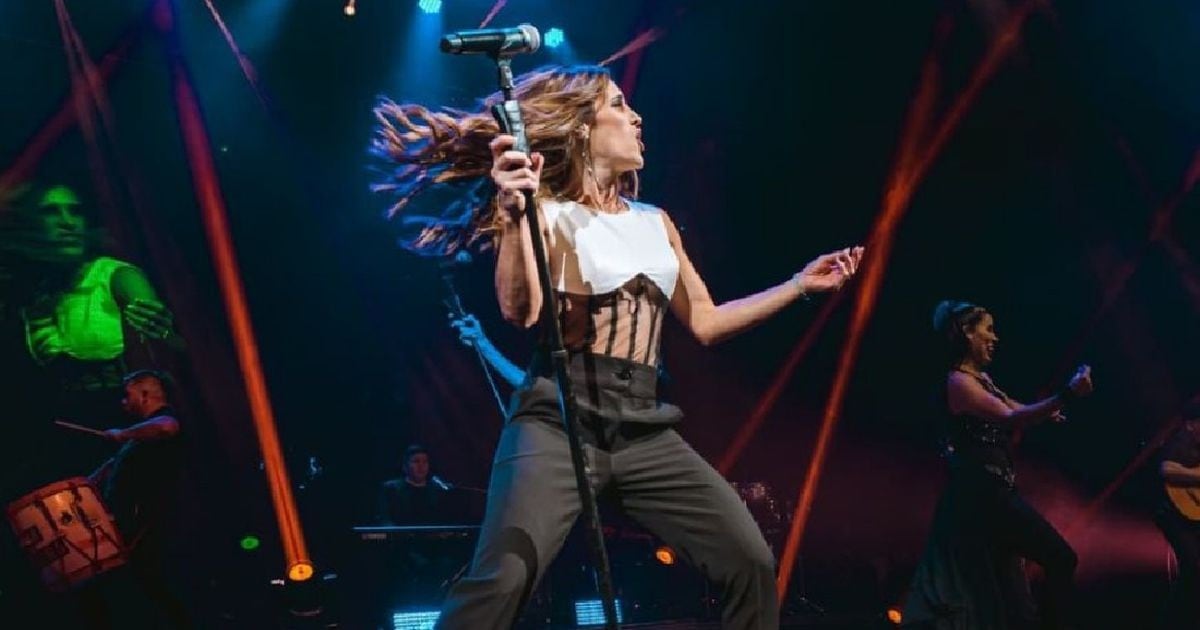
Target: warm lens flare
(665,556)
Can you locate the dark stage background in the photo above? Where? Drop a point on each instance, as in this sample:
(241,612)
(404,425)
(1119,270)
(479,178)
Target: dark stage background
(771,129)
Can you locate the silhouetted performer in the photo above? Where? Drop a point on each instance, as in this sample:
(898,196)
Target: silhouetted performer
(971,575)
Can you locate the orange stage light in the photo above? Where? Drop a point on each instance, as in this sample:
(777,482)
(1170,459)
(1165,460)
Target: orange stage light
(216,224)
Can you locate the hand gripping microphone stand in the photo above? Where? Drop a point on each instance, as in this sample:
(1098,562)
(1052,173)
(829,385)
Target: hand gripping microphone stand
(508,116)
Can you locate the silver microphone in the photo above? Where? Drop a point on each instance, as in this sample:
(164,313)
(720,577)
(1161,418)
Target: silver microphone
(496,42)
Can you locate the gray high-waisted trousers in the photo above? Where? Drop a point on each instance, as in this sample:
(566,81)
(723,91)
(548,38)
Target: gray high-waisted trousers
(659,481)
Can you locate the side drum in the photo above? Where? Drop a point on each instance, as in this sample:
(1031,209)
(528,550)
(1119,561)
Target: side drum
(67,533)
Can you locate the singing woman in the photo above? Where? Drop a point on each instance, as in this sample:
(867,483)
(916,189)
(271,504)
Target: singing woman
(617,265)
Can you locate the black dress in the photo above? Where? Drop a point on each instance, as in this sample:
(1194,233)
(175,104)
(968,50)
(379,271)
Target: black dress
(971,576)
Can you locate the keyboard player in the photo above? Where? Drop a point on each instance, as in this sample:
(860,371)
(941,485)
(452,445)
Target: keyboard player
(418,497)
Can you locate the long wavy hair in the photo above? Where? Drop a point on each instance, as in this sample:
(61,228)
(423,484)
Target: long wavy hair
(425,150)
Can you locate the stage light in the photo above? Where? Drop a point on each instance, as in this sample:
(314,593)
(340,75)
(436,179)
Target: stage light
(415,620)
(590,612)
(300,572)
(349,9)
(554,37)
(430,6)
(250,542)
(895,616)
(664,555)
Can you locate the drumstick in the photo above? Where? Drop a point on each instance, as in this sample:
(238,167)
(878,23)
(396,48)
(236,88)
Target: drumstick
(70,425)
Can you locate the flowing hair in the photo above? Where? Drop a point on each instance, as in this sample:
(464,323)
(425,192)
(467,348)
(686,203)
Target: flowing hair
(426,150)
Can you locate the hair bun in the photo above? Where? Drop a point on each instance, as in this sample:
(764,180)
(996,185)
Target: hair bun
(942,314)
(948,312)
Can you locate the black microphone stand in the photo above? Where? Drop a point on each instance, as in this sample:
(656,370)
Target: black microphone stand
(508,116)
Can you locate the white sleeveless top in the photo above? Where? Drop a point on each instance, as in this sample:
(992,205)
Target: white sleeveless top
(597,252)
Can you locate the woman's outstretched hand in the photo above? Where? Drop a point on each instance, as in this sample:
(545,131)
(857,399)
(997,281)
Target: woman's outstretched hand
(1081,382)
(828,272)
(513,172)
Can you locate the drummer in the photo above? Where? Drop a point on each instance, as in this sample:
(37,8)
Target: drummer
(140,484)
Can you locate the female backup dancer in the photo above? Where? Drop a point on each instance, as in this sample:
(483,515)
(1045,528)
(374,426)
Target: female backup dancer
(617,265)
(971,575)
